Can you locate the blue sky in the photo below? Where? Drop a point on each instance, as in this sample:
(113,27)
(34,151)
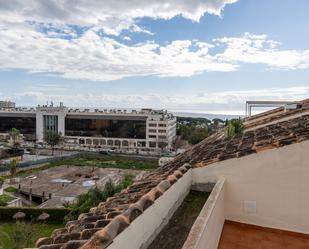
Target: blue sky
(203,56)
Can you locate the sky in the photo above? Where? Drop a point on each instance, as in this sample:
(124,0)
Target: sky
(206,56)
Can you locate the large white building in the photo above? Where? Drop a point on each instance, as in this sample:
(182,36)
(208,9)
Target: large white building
(146,129)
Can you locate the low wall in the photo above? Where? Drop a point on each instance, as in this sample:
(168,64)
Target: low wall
(15,203)
(29,164)
(206,230)
(268,189)
(147,226)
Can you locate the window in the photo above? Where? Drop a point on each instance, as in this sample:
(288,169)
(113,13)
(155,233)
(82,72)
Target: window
(152,130)
(162,131)
(152,125)
(162,125)
(162,137)
(152,136)
(152,144)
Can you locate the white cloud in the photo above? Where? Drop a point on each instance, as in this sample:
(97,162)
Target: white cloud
(93,57)
(259,49)
(64,51)
(126,38)
(110,15)
(226,102)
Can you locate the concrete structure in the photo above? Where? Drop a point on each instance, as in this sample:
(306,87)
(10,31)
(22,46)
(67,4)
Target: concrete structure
(288,105)
(263,188)
(147,129)
(7,104)
(150,223)
(15,203)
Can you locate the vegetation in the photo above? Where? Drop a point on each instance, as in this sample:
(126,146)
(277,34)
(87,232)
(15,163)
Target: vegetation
(94,160)
(4,199)
(21,235)
(194,130)
(10,189)
(96,195)
(13,167)
(105,161)
(234,127)
(53,139)
(15,136)
(56,214)
(191,133)
(1,181)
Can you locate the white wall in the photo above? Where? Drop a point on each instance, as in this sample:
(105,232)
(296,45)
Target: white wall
(147,226)
(206,230)
(277,179)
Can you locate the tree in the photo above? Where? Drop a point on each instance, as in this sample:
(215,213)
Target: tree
(15,136)
(1,181)
(234,127)
(13,167)
(53,139)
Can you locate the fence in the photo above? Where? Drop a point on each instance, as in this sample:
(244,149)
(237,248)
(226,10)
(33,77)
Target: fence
(6,166)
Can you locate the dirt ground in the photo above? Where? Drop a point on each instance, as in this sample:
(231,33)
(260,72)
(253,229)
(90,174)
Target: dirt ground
(64,183)
(175,233)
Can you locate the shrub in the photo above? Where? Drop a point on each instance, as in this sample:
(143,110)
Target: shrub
(94,196)
(10,189)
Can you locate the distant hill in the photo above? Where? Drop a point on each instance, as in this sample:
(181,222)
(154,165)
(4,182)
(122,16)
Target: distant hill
(205,115)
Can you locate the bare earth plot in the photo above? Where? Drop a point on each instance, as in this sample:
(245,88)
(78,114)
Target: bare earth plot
(64,183)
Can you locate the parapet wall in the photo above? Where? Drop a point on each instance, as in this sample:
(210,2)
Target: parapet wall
(268,189)
(143,230)
(206,230)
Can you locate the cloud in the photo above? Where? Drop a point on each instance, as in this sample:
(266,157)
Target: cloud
(109,15)
(225,102)
(92,57)
(69,40)
(258,49)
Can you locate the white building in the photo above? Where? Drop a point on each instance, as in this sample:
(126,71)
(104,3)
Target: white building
(146,129)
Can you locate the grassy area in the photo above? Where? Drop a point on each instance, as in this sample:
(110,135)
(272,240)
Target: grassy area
(10,189)
(4,199)
(108,162)
(94,160)
(19,235)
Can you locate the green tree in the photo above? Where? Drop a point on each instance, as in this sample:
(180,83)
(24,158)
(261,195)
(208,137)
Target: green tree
(13,167)
(197,135)
(53,139)
(234,127)
(15,136)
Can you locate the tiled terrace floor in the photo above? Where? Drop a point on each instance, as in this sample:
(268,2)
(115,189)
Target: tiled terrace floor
(241,236)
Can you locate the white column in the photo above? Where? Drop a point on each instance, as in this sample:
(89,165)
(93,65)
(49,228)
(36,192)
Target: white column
(39,126)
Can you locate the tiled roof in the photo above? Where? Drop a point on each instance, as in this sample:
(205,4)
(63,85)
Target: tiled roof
(276,114)
(103,223)
(218,148)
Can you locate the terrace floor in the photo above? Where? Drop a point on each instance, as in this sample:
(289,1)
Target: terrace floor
(243,236)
